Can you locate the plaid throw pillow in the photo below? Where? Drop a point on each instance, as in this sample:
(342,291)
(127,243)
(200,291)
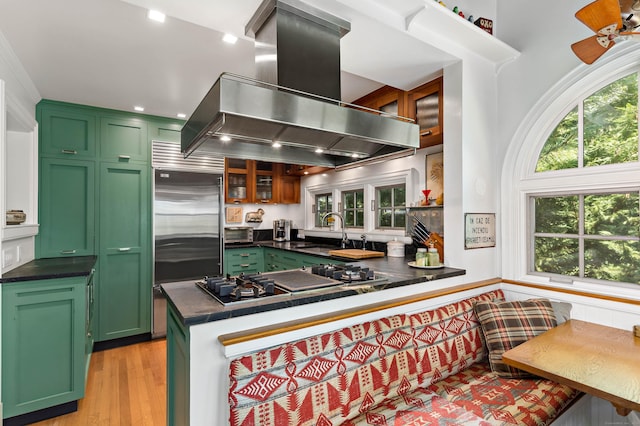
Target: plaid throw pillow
(505,325)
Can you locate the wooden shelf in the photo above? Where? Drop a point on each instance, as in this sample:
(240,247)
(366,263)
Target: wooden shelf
(453,33)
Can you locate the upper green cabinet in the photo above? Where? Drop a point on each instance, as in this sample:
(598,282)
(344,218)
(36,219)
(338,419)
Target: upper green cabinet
(67,132)
(166,132)
(66,208)
(123,140)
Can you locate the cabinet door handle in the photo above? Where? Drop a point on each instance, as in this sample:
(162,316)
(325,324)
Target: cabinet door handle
(124,157)
(264,201)
(124,249)
(244,254)
(69,151)
(68,251)
(425,133)
(244,265)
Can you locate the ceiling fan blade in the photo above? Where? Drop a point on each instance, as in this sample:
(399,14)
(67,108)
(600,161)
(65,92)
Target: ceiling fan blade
(600,14)
(590,49)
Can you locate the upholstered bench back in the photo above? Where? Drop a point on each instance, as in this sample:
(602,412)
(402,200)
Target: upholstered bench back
(329,378)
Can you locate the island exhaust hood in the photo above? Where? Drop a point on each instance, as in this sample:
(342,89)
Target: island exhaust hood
(290,114)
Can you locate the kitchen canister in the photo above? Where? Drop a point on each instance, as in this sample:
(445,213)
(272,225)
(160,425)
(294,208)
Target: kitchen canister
(395,249)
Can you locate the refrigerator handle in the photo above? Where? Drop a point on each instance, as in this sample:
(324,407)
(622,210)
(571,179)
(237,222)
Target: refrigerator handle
(221,223)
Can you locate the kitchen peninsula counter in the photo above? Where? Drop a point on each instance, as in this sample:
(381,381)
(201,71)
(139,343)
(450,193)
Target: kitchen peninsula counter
(194,306)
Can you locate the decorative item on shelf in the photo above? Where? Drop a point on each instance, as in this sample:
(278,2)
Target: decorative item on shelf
(636,330)
(435,176)
(234,214)
(470,18)
(458,11)
(485,24)
(254,217)
(15,217)
(426,193)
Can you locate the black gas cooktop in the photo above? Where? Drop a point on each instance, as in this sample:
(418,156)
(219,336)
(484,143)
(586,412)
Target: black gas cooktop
(230,290)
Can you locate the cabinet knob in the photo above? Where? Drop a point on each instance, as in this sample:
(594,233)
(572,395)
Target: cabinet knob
(69,151)
(68,251)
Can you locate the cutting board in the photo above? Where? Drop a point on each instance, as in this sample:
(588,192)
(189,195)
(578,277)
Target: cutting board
(356,253)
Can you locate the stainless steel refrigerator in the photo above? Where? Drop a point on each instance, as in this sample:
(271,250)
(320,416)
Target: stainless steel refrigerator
(187,232)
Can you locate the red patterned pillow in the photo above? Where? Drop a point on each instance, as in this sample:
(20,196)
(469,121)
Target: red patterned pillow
(505,325)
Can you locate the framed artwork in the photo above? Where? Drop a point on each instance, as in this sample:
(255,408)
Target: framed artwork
(234,214)
(434,171)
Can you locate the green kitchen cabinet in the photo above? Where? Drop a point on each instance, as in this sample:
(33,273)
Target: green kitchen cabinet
(43,343)
(243,260)
(165,132)
(66,208)
(177,370)
(66,131)
(124,140)
(124,291)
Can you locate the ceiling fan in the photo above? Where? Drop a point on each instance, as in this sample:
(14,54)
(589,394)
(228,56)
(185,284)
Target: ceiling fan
(604,17)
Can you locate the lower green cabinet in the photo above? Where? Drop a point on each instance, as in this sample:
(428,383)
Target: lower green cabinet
(124,293)
(243,260)
(44,352)
(177,370)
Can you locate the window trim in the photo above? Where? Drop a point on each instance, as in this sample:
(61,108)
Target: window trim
(407,176)
(520,181)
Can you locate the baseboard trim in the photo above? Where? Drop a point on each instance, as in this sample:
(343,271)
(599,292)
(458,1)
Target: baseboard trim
(39,415)
(122,341)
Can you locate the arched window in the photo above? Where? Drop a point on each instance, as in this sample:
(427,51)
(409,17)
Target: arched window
(571,210)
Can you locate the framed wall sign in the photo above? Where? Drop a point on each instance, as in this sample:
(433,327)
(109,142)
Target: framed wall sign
(479,230)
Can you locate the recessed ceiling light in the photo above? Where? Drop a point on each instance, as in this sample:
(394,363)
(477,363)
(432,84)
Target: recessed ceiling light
(324,175)
(319,150)
(229,38)
(156,15)
(306,172)
(181,115)
(225,138)
(138,108)
(276,145)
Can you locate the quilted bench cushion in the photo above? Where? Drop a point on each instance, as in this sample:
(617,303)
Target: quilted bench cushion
(418,407)
(505,401)
(449,339)
(325,379)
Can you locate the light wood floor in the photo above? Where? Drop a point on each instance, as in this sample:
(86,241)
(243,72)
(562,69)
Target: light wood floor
(126,386)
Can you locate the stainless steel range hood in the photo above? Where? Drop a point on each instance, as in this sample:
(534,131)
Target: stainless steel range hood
(298,63)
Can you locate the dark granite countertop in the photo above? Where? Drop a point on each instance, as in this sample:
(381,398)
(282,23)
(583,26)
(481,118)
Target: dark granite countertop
(44,269)
(194,306)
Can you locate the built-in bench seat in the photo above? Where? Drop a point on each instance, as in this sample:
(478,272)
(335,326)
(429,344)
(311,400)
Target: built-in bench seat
(424,368)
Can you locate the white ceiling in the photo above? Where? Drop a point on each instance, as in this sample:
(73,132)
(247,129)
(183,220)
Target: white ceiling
(107,53)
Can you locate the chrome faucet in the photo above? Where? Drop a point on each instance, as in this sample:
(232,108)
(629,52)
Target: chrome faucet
(363,237)
(345,240)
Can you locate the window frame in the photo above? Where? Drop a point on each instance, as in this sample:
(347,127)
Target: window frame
(393,207)
(408,177)
(315,209)
(344,209)
(520,180)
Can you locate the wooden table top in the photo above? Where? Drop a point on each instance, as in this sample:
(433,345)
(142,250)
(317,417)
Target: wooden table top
(599,360)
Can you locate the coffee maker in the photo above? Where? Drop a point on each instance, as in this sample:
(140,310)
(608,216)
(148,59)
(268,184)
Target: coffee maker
(281,230)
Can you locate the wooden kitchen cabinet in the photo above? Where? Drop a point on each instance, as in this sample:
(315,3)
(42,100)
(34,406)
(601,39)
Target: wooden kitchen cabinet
(66,208)
(386,99)
(44,356)
(251,181)
(424,104)
(124,293)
